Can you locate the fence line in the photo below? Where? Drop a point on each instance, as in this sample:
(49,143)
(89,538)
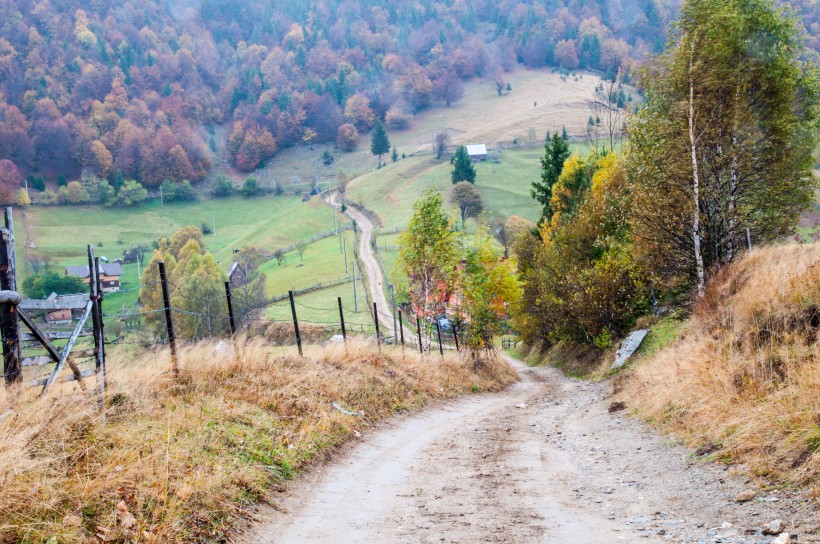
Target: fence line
(201,317)
(315,238)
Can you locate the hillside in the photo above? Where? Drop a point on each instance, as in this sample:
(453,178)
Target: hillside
(742,380)
(137,90)
(183,459)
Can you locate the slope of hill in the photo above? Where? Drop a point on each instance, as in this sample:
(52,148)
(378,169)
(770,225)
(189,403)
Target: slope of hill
(742,381)
(127,89)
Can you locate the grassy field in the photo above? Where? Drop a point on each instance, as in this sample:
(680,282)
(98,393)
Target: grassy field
(270,222)
(505,187)
(322,261)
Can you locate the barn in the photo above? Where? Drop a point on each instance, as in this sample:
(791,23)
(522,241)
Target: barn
(477,152)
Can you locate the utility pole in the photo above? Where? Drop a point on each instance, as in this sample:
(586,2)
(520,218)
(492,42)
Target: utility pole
(355,295)
(344,242)
(160,196)
(392,289)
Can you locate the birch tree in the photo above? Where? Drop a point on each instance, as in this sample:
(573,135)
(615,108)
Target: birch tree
(724,139)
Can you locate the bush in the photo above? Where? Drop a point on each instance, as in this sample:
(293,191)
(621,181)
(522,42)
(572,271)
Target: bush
(42,285)
(250,187)
(222,187)
(347,137)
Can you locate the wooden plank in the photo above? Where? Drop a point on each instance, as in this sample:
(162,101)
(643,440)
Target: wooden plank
(71,378)
(67,348)
(49,347)
(38,304)
(42,360)
(10,297)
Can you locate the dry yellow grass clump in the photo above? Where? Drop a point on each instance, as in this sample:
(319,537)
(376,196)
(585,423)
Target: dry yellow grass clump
(744,378)
(180,458)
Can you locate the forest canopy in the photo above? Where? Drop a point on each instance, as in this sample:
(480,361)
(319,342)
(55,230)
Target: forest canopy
(134,90)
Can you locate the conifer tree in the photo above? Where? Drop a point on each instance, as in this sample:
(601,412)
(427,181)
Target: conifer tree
(462,166)
(379,143)
(556,152)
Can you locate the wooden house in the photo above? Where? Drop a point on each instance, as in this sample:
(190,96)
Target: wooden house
(236,275)
(109,275)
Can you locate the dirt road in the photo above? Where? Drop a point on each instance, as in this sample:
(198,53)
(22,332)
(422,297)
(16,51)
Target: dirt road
(372,270)
(543,461)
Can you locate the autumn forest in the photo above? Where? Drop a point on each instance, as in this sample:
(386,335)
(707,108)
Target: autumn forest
(134,90)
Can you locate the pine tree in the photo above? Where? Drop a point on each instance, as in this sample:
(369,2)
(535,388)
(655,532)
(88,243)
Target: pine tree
(556,152)
(379,143)
(462,166)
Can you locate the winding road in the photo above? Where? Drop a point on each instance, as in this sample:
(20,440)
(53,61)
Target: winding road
(543,461)
(373,273)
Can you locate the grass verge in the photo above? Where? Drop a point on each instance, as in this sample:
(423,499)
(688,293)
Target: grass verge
(745,374)
(180,459)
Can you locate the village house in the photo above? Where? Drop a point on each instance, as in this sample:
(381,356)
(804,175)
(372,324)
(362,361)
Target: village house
(477,152)
(66,315)
(236,275)
(109,275)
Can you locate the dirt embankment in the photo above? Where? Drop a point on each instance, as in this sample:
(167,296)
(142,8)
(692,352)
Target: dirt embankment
(744,379)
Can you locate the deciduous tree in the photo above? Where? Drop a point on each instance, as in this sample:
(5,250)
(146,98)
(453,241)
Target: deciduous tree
(467,199)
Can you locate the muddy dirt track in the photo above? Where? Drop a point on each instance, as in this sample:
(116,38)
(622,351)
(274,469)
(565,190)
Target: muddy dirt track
(543,461)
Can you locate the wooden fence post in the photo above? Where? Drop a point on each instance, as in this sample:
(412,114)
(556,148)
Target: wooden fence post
(401,329)
(9,326)
(295,323)
(376,319)
(438,332)
(455,336)
(169,320)
(231,319)
(418,329)
(342,318)
(96,321)
(100,364)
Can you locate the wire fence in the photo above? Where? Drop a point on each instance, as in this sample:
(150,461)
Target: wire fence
(76,331)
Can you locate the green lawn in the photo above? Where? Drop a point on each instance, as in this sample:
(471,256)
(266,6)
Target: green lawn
(322,307)
(322,261)
(504,187)
(269,222)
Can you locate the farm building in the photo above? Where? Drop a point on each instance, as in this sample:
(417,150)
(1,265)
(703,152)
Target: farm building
(236,275)
(477,152)
(65,315)
(109,275)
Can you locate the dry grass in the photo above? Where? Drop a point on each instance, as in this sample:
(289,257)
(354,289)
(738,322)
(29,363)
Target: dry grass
(744,378)
(180,459)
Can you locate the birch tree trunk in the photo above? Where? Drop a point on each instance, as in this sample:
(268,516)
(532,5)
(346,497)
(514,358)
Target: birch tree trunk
(695,178)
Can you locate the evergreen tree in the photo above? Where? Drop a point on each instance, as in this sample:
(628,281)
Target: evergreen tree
(462,166)
(556,152)
(379,143)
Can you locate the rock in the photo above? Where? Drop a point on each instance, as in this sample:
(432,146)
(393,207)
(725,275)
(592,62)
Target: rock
(784,538)
(745,496)
(628,347)
(617,406)
(774,527)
